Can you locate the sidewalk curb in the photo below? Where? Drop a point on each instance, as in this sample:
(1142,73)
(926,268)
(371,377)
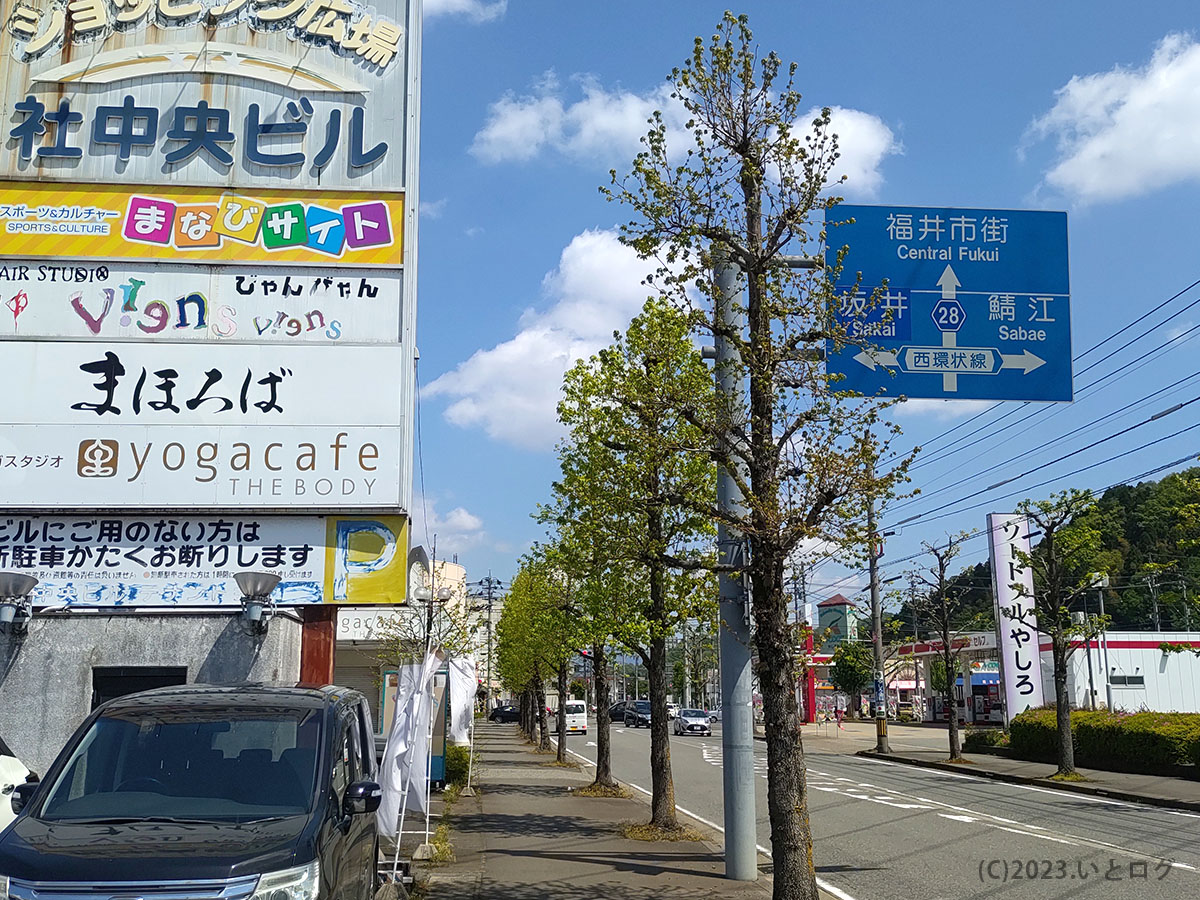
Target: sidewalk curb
(766,880)
(639,797)
(1067,786)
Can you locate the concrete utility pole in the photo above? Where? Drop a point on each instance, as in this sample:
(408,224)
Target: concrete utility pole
(737,714)
(881,735)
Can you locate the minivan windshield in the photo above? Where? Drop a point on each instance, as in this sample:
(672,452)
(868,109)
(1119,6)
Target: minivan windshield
(574,708)
(642,706)
(210,764)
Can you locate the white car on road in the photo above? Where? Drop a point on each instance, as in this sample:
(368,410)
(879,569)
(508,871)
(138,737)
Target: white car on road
(12,773)
(692,721)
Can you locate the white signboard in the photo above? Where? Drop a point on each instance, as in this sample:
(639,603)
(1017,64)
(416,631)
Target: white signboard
(201,466)
(1016,618)
(86,300)
(370,624)
(87,560)
(212,92)
(262,386)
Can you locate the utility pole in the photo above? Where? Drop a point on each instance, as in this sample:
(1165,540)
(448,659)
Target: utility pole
(919,692)
(1088,647)
(487,592)
(737,715)
(881,735)
(1152,582)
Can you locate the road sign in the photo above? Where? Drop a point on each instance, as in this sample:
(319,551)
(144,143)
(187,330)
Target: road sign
(963,304)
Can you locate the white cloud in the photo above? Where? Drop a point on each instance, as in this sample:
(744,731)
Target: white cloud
(433,209)
(1127,131)
(941,410)
(475,10)
(864,141)
(457,530)
(607,126)
(602,125)
(512,390)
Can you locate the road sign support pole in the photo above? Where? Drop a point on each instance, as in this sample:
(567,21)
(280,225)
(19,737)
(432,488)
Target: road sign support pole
(737,715)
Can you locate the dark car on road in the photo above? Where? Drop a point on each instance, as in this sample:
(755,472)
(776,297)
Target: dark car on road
(616,712)
(637,714)
(505,714)
(251,792)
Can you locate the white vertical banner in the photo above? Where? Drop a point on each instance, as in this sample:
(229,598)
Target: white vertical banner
(463,685)
(402,775)
(1016,629)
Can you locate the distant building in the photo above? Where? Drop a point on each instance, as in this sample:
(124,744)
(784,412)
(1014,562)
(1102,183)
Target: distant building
(837,621)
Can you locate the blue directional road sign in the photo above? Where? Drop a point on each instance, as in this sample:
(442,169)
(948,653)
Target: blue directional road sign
(976,304)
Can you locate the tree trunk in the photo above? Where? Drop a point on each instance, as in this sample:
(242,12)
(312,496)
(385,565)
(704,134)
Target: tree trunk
(1062,711)
(526,724)
(543,718)
(787,785)
(603,720)
(561,724)
(950,662)
(662,800)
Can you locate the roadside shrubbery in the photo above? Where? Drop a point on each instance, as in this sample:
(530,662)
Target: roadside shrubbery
(984,739)
(1140,742)
(458,758)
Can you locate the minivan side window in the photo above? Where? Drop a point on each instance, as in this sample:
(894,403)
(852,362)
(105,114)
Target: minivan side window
(367,738)
(342,760)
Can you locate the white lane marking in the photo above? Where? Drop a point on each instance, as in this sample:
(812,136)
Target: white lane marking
(821,882)
(1044,837)
(591,743)
(1180,865)
(958,818)
(1074,795)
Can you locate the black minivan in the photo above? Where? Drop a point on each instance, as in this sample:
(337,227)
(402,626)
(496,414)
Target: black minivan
(251,792)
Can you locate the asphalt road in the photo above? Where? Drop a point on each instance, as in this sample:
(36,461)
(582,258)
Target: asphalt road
(884,831)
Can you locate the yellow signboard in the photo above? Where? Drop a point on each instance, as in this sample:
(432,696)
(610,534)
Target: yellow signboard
(366,559)
(200,224)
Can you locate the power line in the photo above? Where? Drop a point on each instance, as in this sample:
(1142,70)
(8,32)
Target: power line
(1116,434)
(1087,426)
(1121,372)
(1077,358)
(978,532)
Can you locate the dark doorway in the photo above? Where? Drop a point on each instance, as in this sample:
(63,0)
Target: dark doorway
(110,682)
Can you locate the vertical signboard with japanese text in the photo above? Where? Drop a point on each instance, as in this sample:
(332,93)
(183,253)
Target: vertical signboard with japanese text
(1016,617)
(207,269)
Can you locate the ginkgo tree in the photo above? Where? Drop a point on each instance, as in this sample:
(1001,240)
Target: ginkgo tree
(534,638)
(748,183)
(635,473)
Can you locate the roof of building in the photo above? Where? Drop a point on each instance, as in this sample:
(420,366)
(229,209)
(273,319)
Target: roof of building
(835,600)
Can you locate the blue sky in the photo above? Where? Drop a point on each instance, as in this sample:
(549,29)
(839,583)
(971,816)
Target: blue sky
(527,105)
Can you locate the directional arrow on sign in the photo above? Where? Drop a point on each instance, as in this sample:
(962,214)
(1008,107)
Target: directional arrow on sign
(873,358)
(949,283)
(1026,360)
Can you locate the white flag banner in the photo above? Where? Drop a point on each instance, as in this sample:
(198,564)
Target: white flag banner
(405,757)
(1016,617)
(463,685)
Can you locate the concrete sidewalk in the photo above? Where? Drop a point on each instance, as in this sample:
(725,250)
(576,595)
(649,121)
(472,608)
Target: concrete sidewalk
(1156,790)
(526,836)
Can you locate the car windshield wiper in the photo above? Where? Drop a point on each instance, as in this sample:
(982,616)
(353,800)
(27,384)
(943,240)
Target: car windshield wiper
(133,820)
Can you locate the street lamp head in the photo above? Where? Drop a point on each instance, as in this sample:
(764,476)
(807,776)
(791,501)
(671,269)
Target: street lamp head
(256,584)
(256,588)
(15,588)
